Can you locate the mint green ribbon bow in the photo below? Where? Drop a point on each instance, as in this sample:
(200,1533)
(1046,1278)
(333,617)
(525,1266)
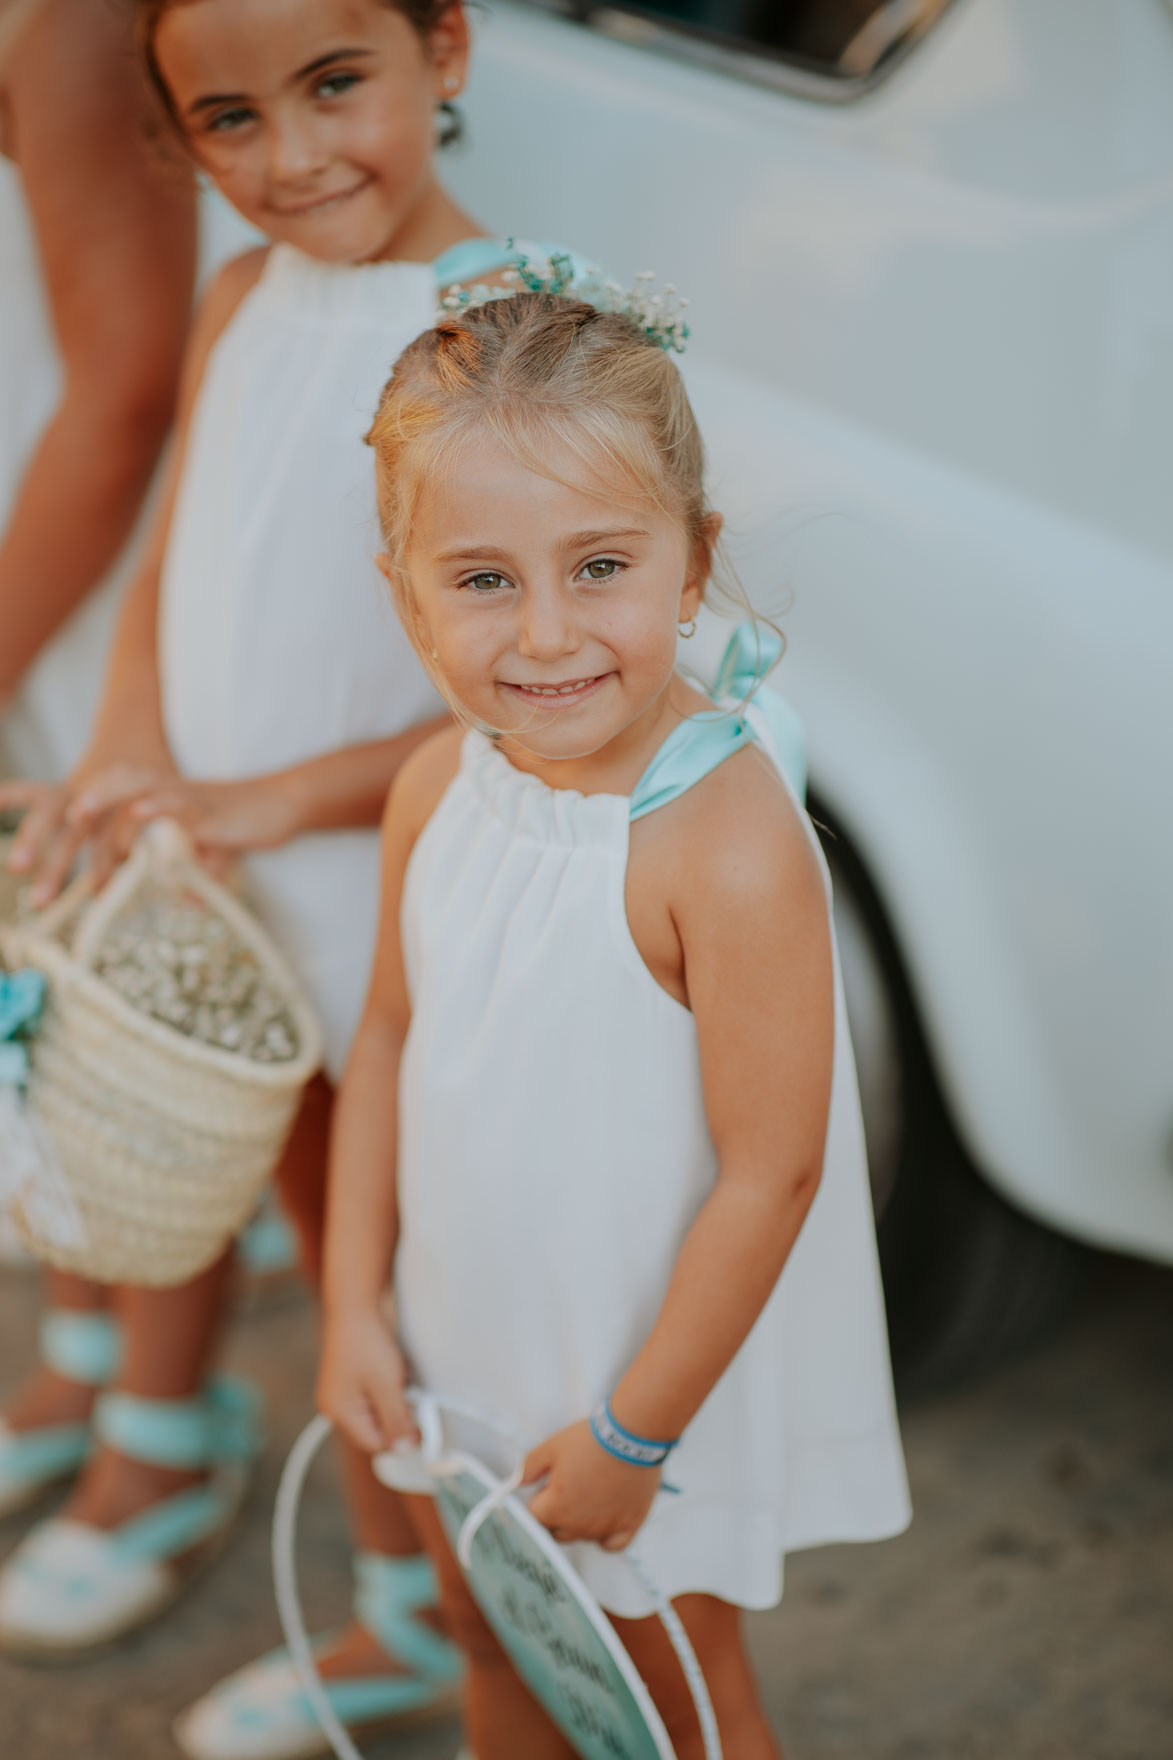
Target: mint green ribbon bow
(703,741)
(22,996)
(753,650)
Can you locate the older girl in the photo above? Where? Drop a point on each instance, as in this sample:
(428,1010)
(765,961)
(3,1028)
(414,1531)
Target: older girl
(262,691)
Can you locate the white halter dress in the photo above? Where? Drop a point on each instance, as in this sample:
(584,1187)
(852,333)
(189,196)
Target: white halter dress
(278,641)
(553,1154)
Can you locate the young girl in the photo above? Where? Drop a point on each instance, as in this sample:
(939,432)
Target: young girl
(603,1079)
(262,691)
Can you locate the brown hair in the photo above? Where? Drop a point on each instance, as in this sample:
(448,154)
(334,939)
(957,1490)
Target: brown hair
(422,15)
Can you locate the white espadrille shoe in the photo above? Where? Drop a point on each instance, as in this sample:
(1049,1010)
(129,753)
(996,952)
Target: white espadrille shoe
(262,1712)
(70,1588)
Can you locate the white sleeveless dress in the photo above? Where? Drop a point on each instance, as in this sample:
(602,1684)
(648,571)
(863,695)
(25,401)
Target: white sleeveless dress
(553,1154)
(278,641)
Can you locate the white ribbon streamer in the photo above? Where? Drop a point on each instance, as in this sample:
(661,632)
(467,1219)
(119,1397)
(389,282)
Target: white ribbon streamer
(289,1607)
(31,1178)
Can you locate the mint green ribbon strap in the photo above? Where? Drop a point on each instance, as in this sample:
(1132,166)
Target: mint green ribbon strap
(748,711)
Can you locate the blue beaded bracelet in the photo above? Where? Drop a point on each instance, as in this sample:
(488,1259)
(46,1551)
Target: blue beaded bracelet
(637,1451)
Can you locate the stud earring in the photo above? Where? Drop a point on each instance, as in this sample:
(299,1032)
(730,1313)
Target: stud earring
(435,653)
(687,630)
(451,83)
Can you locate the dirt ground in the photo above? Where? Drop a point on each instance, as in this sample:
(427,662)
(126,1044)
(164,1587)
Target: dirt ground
(1026,1615)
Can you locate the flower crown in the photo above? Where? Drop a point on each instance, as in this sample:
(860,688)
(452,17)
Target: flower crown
(660,316)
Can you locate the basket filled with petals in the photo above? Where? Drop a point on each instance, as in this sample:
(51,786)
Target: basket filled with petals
(166,1068)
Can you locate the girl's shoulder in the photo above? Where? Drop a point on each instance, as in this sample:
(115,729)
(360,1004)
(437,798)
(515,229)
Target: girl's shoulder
(222,298)
(422,782)
(735,841)
(232,283)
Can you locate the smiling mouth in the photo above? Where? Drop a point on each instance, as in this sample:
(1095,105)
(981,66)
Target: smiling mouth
(556,695)
(322,204)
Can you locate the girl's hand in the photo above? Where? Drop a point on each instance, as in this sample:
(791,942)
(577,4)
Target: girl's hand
(588,1494)
(361,1382)
(225,819)
(91,806)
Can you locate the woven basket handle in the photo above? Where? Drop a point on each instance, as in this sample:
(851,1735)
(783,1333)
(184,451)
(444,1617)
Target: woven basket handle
(163,850)
(49,923)
(168,845)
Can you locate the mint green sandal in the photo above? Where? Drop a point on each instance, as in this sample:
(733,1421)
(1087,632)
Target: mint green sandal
(262,1712)
(70,1588)
(78,1346)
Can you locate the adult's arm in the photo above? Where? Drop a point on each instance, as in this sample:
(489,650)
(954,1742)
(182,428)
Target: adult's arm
(127,753)
(115,226)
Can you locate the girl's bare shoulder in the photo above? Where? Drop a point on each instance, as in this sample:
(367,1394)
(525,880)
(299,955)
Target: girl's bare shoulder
(735,841)
(421,783)
(231,284)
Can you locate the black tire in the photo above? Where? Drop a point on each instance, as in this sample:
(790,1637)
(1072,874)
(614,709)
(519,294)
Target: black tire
(969,1280)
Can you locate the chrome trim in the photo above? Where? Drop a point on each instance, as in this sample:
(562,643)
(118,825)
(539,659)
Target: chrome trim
(763,67)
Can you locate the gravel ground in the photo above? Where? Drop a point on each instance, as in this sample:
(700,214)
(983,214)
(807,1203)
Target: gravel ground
(1026,1615)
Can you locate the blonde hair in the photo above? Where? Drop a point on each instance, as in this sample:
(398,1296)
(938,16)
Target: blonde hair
(544,376)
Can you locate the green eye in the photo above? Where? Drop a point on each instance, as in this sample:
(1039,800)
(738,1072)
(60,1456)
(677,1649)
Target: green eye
(485,582)
(601,569)
(226,120)
(334,83)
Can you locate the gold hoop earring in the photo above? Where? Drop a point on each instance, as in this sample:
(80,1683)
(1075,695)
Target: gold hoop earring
(686,631)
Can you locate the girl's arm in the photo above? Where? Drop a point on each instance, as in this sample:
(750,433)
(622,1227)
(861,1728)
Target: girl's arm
(128,747)
(751,918)
(115,231)
(362,1375)
(339,791)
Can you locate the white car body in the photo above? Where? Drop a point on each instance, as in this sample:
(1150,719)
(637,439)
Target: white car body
(933,359)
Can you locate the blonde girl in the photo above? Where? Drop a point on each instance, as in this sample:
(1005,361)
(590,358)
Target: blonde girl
(598,1167)
(262,692)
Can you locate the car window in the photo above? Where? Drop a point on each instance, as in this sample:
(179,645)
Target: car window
(834,49)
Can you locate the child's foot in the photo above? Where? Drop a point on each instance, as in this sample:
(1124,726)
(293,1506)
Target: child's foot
(45,1428)
(354,1652)
(46,1399)
(157,1502)
(390,1666)
(114,1489)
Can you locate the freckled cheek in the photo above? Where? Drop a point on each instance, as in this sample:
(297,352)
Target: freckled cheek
(643,640)
(470,652)
(393,143)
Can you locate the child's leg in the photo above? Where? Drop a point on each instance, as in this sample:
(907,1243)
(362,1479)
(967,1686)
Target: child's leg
(714,1630)
(169,1336)
(301,1175)
(165,1480)
(502,1721)
(48,1396)
(263,1704)
(379,1520)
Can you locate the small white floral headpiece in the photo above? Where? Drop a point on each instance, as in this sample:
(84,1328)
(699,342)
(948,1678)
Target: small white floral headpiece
(659,315)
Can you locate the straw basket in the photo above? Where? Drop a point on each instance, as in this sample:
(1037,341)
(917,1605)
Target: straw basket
(164,1142)
(9,885)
